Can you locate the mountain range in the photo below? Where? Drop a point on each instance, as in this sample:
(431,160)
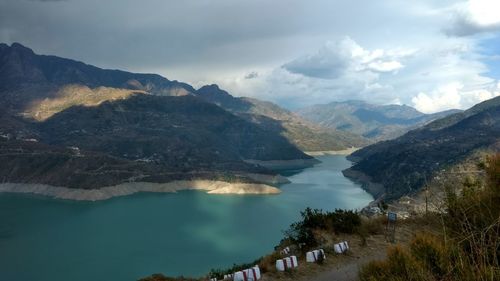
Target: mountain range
(374,122)
(306,135)
(401,166)
(66,123)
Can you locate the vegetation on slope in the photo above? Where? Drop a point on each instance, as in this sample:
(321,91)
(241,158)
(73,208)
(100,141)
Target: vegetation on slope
(304,134)
(403,165)
(315,229)
(466,247)
(62,119)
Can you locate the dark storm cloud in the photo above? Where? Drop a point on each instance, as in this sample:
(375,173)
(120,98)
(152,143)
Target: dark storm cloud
(325,64)
(149,34)
(46,0)
(252,75)
(223,41)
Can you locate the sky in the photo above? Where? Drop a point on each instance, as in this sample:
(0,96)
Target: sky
(430,54)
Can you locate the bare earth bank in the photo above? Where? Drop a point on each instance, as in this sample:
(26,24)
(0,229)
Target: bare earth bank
(332,152)
(212,187)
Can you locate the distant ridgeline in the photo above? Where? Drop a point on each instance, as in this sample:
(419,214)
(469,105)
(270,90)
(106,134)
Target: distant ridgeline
(401,166)
(374,122)
(66,123)
(304,134)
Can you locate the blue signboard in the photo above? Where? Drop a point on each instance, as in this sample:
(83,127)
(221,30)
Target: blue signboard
(392,216)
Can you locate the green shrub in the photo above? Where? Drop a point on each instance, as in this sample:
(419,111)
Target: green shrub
(219,273)
(338,221)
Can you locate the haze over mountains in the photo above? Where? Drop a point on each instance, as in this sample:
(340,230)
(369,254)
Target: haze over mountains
(375,122)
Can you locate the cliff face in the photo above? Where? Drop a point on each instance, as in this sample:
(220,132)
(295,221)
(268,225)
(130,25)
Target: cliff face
(69,124)
(403,165)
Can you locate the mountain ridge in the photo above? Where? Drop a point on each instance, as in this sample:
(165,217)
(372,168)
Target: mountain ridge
(54,82)
(401,166)
(376,122)
(66,123)
(304,134)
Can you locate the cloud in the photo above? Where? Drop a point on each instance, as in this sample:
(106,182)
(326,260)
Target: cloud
(336,59)
(432,77)
(452,96)
(385,66)
(252,75)
(302,52)
(475,16)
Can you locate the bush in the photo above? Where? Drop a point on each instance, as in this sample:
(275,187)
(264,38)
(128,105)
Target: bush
(371,226)
(468,247)
(219,273)
(430,253)
(398,266)
(339,221)
(161,277)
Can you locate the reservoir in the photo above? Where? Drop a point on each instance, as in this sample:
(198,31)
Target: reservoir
(185,233)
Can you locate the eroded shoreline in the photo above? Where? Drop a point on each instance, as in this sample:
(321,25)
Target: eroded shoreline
(104,193)
(332,152)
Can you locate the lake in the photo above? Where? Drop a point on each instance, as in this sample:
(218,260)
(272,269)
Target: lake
(186,233)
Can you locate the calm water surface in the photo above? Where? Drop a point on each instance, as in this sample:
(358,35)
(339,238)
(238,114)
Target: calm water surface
(186,233)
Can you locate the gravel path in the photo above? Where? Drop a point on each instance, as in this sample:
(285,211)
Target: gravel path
(349,271)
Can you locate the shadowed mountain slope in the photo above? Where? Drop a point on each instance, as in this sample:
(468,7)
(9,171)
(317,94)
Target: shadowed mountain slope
(304,134)
(39,86)
(62,119)
(403,165)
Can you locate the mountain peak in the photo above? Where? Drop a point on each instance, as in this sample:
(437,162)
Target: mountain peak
(213,90)
(211,87)
(18,47)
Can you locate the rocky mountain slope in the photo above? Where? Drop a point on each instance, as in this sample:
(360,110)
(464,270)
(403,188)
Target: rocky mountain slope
(376,122)
(304,134)
(66,123)
(402,166)
(39,86)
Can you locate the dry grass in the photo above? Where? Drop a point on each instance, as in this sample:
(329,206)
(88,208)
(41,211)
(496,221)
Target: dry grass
(74,95)
(461,244)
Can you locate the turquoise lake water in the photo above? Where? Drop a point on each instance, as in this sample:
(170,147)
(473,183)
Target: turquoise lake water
(186,233)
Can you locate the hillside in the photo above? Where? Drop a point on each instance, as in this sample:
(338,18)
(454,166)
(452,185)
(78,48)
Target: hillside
(66,123)
(304,134)
(39,86)
(375,122)
(402,166)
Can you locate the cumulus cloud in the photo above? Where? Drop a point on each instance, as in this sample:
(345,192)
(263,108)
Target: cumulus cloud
(295,54)
(475,16)
(385,66)
(452,96)
(432,77)
(336,59)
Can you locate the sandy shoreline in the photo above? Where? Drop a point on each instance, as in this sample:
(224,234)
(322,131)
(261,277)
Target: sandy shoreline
(212,187)
(332,152)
